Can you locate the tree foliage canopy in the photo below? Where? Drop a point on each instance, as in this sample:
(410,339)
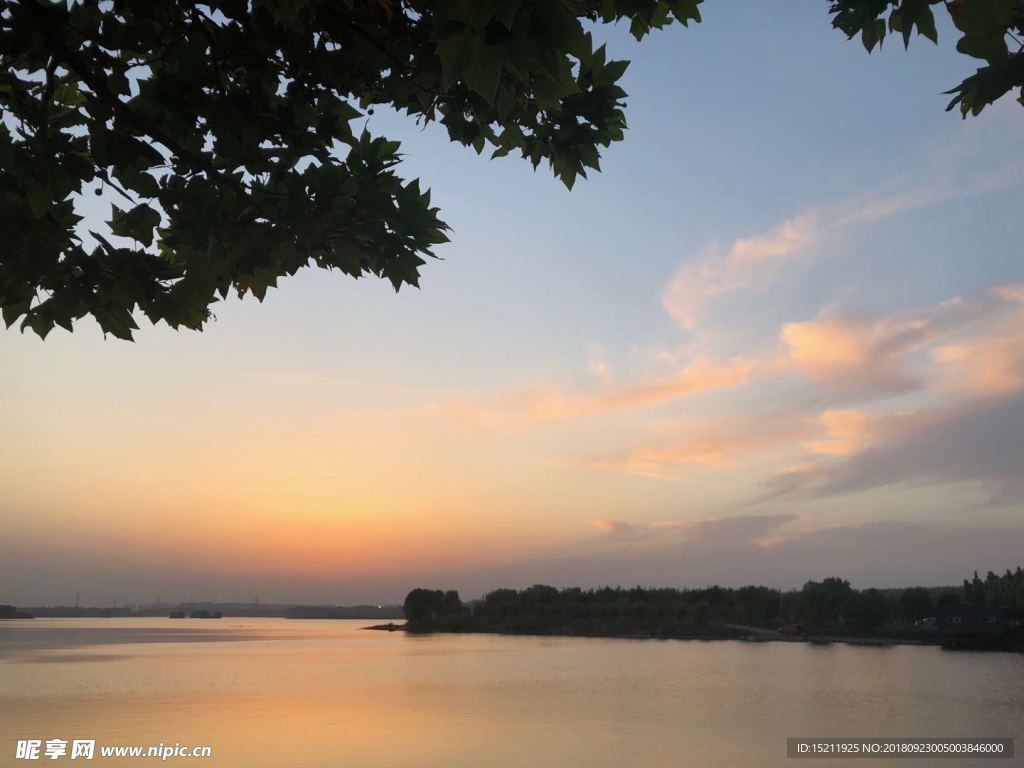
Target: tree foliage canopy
(991,30)
(830,606)
(227,131)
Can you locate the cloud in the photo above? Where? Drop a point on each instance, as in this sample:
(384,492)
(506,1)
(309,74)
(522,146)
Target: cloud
(977,442)
(968,433)
(696,377)
(597,362)
(740,528)
(915,198)
(620,529)
(991,366)
(754,262)
(721,442)
(524,409)
(846,433)
(841,352)
(696,284)
(1010,292)
(869,358)
(957,353)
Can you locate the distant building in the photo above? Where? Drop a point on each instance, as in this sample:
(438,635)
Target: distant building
(972,620)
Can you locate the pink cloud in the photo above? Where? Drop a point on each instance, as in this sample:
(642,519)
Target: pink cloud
(695,284)
(990,366)
(867,357)
(846,433)
(524,409)
(725,442)
(1010,292)
(753,262)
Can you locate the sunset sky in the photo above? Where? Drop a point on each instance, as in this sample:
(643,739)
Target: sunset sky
(779,337)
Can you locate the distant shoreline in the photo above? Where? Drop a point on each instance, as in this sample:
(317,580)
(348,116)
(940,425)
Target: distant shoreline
(710,636)
(10,612)
(985,615)
(874,642)
(364,612)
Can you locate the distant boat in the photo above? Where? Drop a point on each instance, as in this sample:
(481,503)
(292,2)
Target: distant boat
(177,615)
(205,615)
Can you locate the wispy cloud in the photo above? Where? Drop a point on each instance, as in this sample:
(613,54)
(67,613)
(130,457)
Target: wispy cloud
(597,362)
(530,408)
(1010,292)
(716,271)
(717,442)
(733,528)
(754,262)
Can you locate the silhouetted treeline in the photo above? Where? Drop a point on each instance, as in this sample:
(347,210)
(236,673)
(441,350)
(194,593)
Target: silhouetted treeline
(83,612)
(10,612)
(1006,591)
(830,606)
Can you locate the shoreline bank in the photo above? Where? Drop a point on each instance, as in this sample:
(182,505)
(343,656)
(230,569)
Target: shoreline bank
(761,637)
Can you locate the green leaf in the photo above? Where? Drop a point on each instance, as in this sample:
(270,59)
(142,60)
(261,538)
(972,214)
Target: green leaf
(116,321)
(39,199)
(505,11)
(457,53)
(483,74)
(11,312)
(686,11)
(926,24)
(985,24)
(137,223)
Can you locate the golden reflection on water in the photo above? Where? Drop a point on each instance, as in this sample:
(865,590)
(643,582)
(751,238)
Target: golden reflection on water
(266,692)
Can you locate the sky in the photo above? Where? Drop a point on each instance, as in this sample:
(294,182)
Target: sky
(779,337)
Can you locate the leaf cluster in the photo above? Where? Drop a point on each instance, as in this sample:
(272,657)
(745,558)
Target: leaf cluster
(991,30)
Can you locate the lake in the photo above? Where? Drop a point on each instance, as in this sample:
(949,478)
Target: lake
(306,694)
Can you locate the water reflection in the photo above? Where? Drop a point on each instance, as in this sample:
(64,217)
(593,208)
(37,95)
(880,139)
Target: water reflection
(310,694)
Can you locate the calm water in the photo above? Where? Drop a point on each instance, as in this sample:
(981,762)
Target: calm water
(273,692)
